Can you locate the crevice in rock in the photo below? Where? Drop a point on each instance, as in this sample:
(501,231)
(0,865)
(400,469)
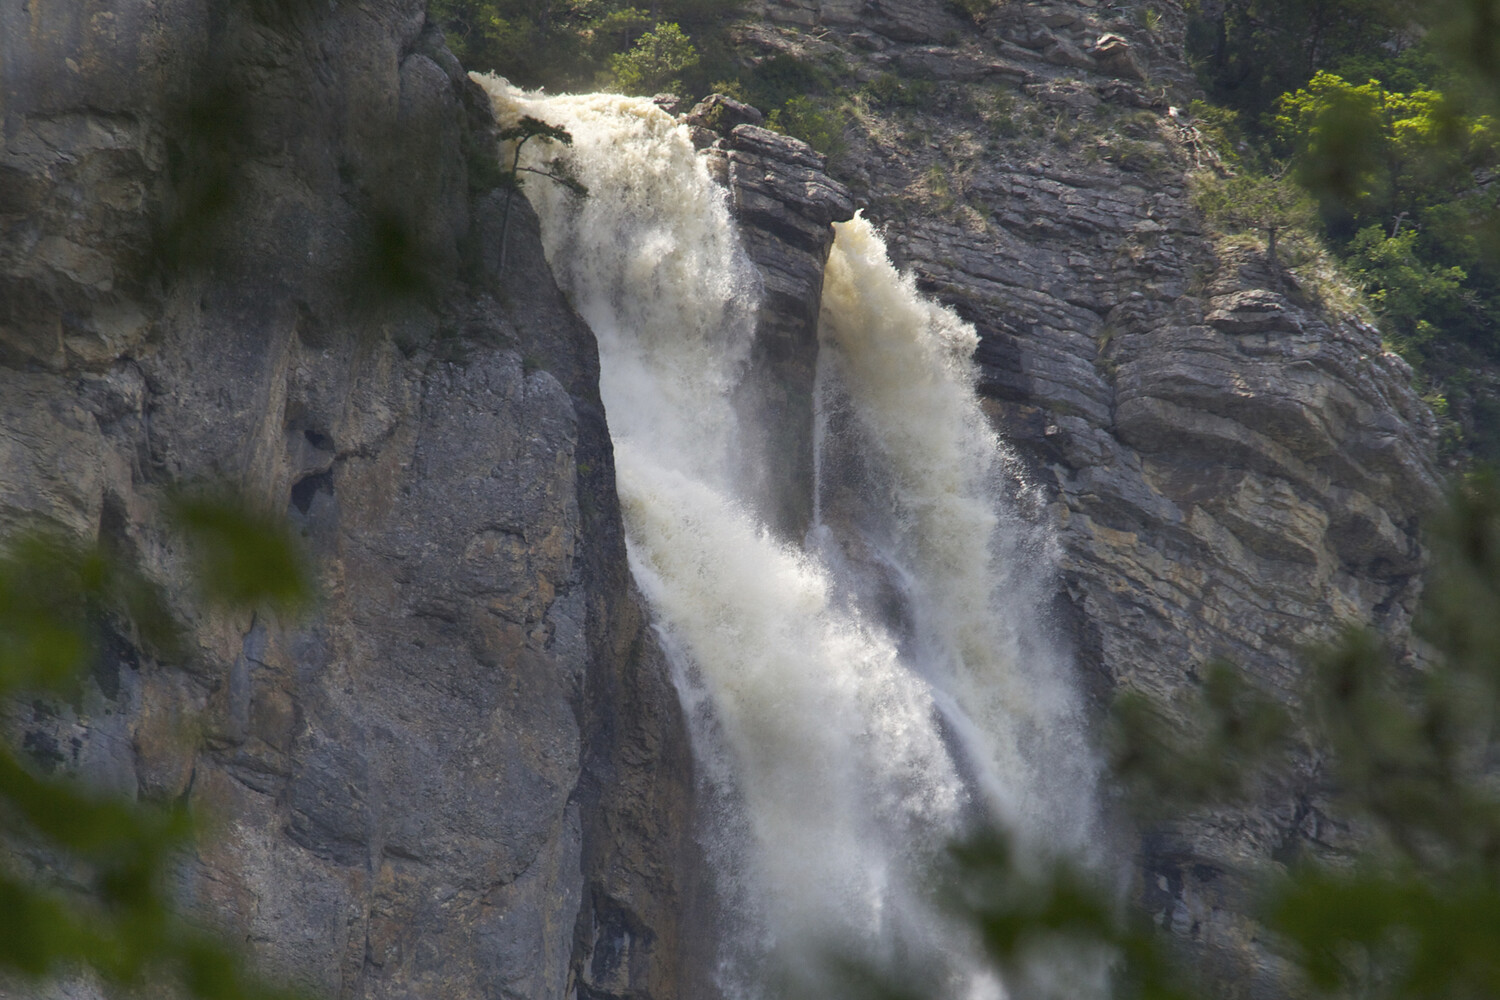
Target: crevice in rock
(306,489)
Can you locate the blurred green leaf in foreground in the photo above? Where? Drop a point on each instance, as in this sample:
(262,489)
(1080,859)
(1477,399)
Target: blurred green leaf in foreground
(1409,746)
(109,909)
(1414,911)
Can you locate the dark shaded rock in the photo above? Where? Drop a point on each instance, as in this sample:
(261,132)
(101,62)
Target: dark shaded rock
(1114,56)
(785,204)
(670,103)
(470,745)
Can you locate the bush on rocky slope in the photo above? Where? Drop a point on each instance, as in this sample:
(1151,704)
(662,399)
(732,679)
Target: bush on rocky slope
(1384,114)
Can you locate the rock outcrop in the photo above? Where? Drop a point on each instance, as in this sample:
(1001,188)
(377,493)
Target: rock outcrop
(1237,469)
(785,204)
(254,243)
(257,242)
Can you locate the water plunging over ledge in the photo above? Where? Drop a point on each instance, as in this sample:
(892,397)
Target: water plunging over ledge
(859,699)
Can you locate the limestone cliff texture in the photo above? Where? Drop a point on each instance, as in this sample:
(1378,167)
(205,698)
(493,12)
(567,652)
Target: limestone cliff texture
(256,243)
(1237,469)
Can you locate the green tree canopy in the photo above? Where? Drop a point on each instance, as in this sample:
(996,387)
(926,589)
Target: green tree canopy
(569,44)
(1378,156)
(656,62)
(1251,51)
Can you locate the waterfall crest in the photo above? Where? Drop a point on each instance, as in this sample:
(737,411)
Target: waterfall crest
(859,699)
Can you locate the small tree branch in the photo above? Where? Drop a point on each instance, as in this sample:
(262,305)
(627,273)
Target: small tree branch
(522,132)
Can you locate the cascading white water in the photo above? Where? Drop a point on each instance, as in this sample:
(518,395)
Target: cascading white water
(975,571)
(852,746)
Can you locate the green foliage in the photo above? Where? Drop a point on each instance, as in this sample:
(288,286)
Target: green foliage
(1465,36)
(1251,51)
(526,129)
(803,118)
(1385,111)
(1376,153)
(56,597)
(1416,298)
(482,35)
(890,90)
(570,44)
(1134,155)
(520,134)
(1402,164)
(783,77)
(51,590)
(734,88)
(1224,131)
(618,31)
(798,96)
(1266,205)
(656,62)
(244,557)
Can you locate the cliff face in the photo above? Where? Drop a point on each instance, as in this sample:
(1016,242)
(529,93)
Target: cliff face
(785,205)
(250,243)
(1237,470)
(254,242)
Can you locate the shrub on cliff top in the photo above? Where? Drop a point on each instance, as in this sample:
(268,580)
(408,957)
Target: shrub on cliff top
(568,44)
(655,63)
(1266,205)
(802,118)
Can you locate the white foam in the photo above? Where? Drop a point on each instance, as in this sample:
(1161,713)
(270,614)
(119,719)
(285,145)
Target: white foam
(838,737)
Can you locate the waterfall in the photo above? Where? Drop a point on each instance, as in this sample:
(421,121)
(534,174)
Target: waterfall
(859,699)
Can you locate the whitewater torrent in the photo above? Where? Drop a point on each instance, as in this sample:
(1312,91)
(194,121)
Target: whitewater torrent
(845,743)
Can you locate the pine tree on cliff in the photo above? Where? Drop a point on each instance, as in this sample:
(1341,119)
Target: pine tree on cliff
(521,133)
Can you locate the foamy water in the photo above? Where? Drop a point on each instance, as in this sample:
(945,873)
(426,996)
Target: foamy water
(849,736)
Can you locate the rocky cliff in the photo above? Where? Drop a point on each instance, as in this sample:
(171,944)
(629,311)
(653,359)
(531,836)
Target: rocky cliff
(1236,468)
(257,242)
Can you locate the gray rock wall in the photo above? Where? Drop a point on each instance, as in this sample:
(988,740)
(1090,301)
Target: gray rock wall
(1235,468)
(251,242)
(785,205)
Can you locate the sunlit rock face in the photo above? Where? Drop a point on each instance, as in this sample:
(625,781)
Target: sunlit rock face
(1235,468)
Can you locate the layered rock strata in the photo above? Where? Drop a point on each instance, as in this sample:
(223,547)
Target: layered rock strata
(785,204)
(1236,469)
